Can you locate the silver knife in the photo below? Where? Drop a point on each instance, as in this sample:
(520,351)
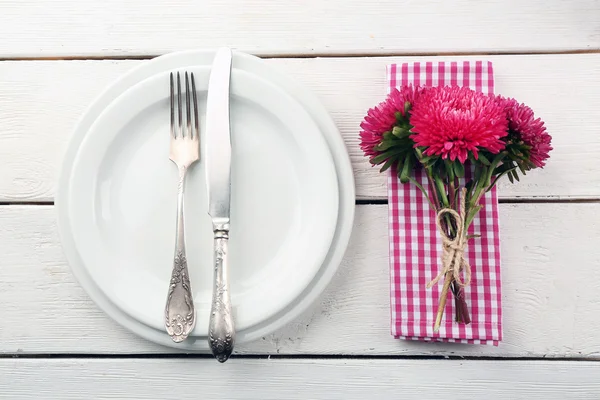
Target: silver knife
(221,332)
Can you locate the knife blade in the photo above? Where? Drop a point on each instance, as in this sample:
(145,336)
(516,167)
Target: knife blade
(218,141)
(221,330)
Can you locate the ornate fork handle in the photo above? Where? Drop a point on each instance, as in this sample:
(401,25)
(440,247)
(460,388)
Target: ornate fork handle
(180,317)
(221,333)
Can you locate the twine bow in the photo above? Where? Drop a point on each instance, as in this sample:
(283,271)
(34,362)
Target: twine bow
(453,256)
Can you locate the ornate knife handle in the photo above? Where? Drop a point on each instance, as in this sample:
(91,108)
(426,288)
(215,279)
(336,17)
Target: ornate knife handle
(221,332)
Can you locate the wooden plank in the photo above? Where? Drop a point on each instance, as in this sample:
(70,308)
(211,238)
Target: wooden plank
(550,272)
(66,379)
(41,101)
(142,27)
(348,88)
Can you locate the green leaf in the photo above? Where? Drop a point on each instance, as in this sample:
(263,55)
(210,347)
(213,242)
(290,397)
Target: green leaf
(426,159)
(495,180)
(384,145)
(378,159)
(510,177)
(508,166)
(394,152)
(459,169)
(430,164)
(419,153)
(399,167)
(417,184)
(406,170)
(388,135)
(514,173)
(484,159)
(499,157)
(387,165)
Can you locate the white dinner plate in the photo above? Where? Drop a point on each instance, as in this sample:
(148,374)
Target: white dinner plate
(290,211)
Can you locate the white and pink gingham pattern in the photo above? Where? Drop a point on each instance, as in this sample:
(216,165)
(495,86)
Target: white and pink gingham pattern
(415,247)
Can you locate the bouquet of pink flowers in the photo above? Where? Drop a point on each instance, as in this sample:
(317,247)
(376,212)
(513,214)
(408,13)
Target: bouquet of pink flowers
(465,141)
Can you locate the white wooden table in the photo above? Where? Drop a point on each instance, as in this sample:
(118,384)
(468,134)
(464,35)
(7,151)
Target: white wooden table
(56,56)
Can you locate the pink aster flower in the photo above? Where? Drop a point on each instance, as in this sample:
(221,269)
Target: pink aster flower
(382,118)
(452,122)
(522,122)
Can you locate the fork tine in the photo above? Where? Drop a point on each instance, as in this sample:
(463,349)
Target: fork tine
(180,107)
(172,107)
(196,124)
(188,112)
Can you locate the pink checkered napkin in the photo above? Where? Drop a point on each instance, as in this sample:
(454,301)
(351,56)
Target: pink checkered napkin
(415,247)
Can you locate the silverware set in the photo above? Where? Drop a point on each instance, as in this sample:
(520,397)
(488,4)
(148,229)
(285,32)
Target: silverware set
(180,316)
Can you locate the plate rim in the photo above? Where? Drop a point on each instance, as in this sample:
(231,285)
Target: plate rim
(322,224)
(343,167)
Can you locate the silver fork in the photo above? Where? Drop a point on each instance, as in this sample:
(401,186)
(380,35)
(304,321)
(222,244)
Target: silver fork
(180,316)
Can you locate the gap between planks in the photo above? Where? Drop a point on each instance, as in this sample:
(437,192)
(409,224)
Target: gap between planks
(307,356)
(316,55)
(503,201)
(365,202)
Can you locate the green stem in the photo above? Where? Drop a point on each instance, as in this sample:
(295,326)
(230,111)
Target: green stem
(457,191)
(452,193)
(451,229)
(441,191)
(497,160)
(450,176)
(479,185)
(436,199)
(470,215)
(493,183)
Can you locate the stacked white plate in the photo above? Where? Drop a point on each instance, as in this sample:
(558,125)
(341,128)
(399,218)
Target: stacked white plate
(292,200)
